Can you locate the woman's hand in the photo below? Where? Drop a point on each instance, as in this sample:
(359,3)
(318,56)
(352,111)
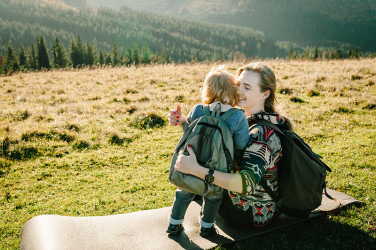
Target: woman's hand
(187,164)
(175,117)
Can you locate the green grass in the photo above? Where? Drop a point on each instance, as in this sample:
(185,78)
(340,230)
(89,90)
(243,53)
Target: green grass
(96,142)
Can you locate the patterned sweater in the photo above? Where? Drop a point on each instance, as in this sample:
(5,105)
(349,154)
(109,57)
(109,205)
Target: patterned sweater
(260,158)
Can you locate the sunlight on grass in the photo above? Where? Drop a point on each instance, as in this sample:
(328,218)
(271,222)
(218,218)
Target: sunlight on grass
(96,142)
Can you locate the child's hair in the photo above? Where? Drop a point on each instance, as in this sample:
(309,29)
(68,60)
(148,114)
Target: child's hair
(220,85)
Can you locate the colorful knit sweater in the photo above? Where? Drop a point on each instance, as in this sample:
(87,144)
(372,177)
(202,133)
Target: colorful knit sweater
(260,158)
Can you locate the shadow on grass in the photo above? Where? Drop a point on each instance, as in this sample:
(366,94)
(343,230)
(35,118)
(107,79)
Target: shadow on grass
(322,233)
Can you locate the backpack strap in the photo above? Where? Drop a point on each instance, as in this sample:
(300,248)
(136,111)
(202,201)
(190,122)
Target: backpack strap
(332,198)
(228,113)
(206,110)
(217,110)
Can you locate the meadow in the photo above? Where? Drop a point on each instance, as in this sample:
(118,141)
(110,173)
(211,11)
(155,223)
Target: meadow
(94,142)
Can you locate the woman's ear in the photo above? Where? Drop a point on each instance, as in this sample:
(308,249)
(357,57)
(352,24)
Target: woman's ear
(266,94)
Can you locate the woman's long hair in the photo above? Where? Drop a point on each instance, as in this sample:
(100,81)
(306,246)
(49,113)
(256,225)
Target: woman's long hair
(268,82)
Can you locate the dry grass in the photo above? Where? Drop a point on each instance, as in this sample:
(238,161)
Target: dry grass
(94,100)
(74,142)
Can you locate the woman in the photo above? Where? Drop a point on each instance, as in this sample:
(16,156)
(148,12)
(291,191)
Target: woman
(247,203)
(218,89)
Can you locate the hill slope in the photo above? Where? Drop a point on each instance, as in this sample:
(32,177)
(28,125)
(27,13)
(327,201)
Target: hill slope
(336,23)
(22,21)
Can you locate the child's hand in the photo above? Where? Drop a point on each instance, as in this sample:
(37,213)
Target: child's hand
(175,117)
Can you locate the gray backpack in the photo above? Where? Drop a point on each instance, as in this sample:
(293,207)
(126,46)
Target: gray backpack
(212,142)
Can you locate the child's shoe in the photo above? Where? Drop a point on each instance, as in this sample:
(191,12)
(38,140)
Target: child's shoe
(174,229)
(207,231)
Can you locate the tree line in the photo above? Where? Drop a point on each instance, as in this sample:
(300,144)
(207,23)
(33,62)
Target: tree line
(328,54)
(79,54)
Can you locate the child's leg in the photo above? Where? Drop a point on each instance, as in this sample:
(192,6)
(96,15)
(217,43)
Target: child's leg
(209,210)
(180,205)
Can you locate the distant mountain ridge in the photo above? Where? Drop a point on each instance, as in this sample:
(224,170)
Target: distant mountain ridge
(22,21)
(328,23)
(61,4)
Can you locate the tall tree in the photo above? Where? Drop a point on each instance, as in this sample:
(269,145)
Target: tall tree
(22,56)
(315,54)
(116,56)
(31,58)
(107,59)
(101,57)
(136,54)
(42,55)
(59,55)
(73,52)
(80,51)
(128,57)
(11,62)
(77,52)
(90,54)
(145,54)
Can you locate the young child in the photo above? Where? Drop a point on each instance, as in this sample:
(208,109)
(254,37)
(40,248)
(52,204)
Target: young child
(219,87)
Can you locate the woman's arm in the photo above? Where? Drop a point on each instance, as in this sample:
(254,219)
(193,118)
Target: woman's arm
(189,165)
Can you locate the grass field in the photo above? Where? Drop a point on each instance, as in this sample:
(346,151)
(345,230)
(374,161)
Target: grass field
(96,142)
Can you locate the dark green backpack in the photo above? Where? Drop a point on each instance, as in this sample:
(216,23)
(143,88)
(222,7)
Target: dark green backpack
(301,175)
(212,142)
